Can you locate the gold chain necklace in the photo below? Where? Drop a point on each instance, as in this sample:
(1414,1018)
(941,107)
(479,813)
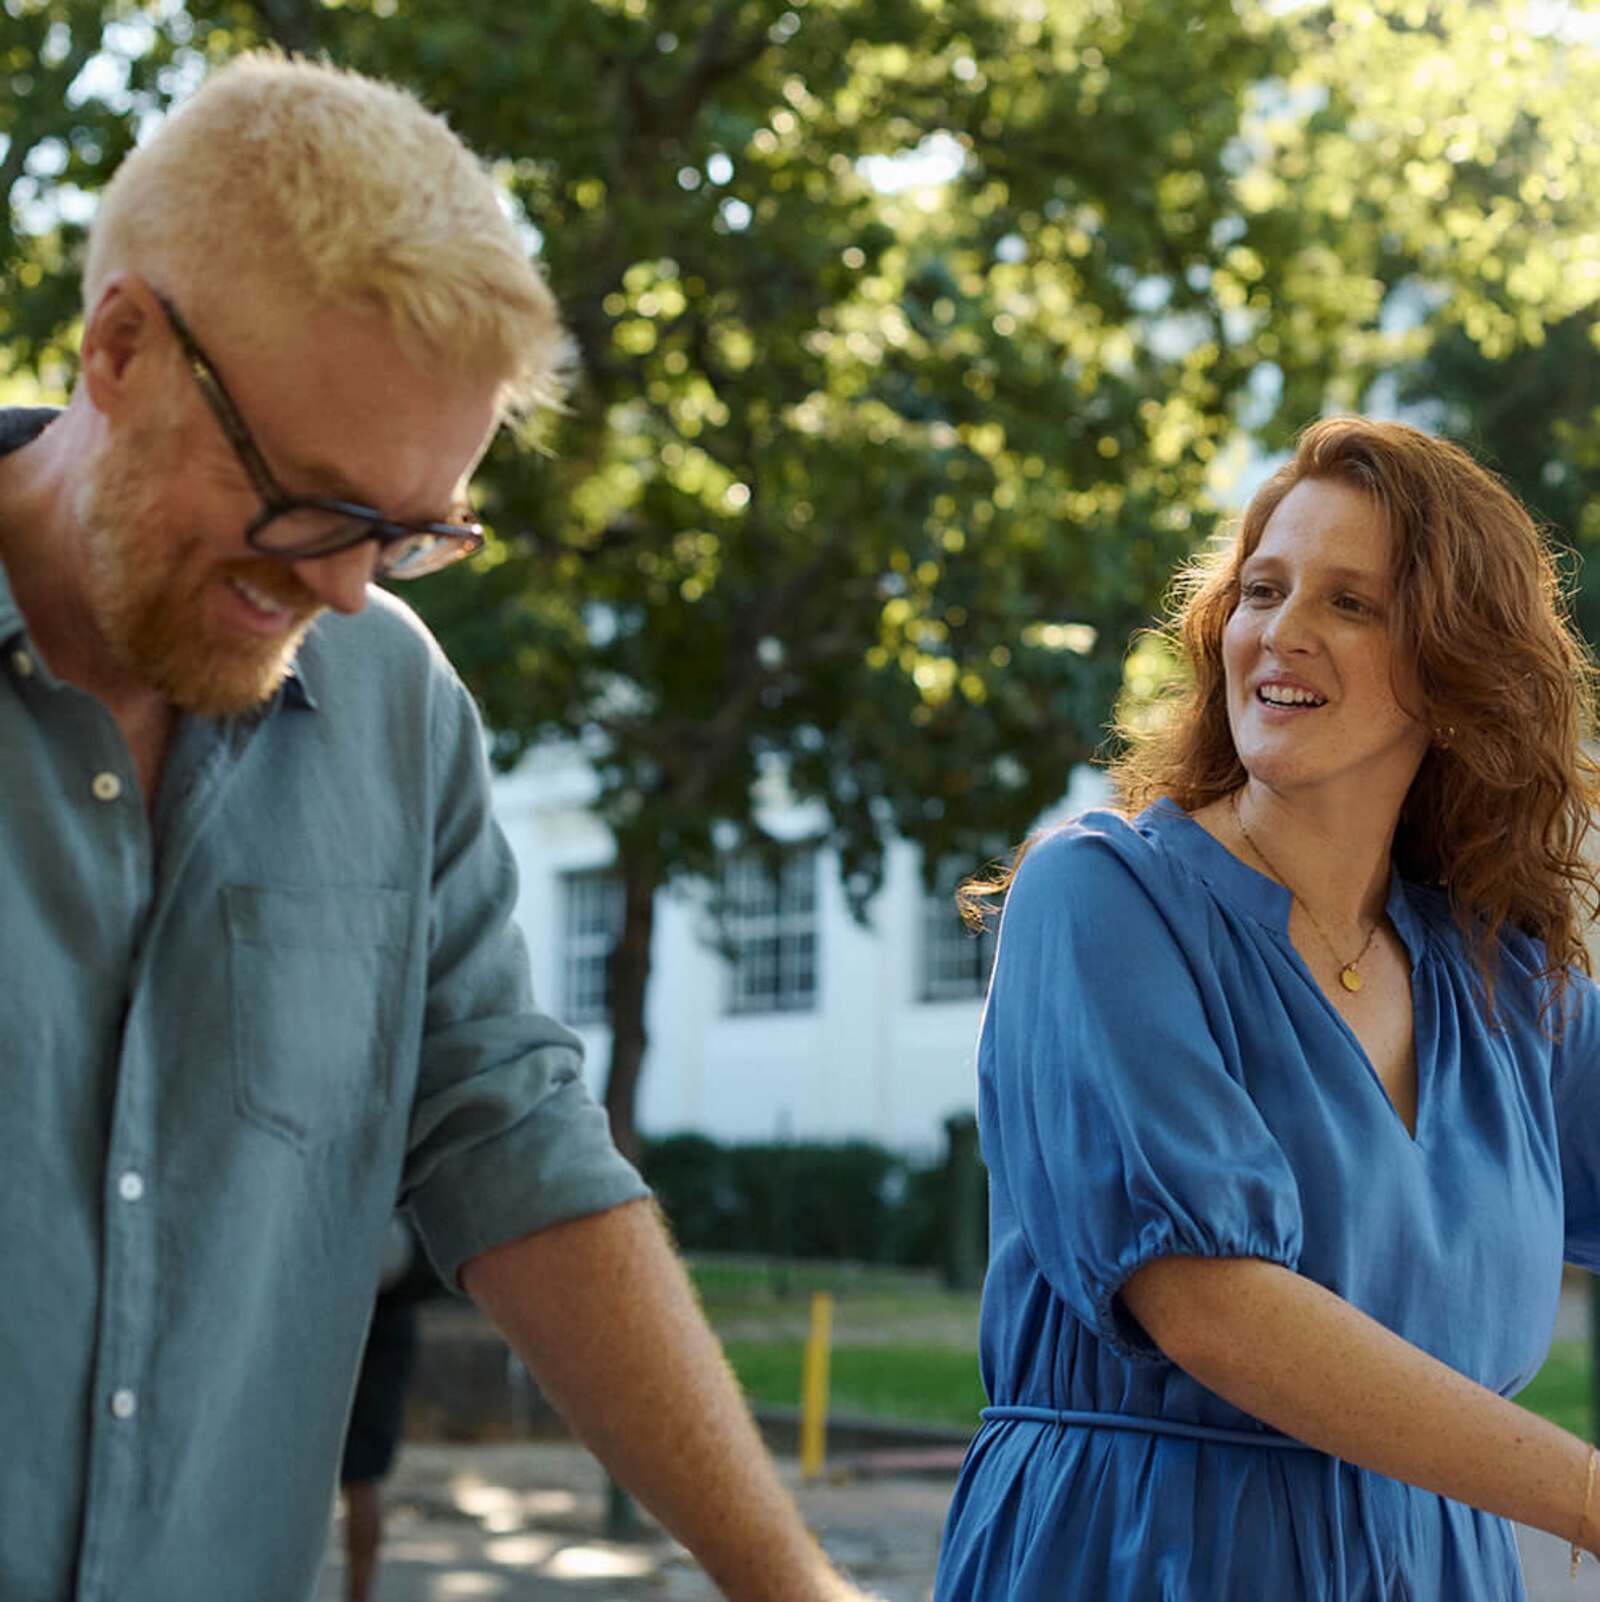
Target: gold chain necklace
(1349,974)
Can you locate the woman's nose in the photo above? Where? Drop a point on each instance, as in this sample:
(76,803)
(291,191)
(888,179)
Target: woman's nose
(1289,627)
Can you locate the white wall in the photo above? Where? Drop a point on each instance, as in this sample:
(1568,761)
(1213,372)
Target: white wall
(869,1060)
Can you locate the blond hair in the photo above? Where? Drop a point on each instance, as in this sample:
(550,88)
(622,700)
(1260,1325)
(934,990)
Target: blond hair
(347,191)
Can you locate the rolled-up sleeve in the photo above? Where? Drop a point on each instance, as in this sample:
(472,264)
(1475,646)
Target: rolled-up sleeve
(504,1137)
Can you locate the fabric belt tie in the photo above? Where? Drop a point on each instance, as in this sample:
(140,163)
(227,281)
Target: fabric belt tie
(1143,1423)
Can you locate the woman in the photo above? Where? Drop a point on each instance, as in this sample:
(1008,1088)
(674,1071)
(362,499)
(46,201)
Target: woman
(1289,1081)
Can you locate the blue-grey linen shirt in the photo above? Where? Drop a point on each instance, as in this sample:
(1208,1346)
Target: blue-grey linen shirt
(234,1030)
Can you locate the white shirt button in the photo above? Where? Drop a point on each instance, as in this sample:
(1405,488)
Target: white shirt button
(22,664)
(106,787)
(124,1404)
(130,1187)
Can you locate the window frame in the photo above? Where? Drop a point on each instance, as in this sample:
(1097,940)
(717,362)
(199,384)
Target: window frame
(595,896)
(778,926)
(954,963)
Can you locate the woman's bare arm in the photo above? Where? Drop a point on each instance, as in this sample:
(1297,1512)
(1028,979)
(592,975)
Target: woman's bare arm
(1296,1356)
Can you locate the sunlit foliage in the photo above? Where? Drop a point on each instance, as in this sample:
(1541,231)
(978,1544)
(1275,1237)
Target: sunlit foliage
(910,335)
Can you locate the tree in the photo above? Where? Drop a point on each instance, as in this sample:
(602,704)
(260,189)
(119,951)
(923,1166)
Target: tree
(63,129)
(867,481)
(1533,415)
(868,486)
(1442,153)
(1452,158)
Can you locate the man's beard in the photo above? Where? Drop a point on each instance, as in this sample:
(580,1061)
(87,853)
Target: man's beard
(149,594)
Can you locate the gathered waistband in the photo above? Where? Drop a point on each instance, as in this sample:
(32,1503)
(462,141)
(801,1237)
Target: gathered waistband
(1145,1423)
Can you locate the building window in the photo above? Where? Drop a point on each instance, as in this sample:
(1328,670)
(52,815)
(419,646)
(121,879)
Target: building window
(771,932)
(953,961)
(592,925)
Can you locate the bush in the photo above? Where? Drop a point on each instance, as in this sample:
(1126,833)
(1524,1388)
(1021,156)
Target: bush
(852,1200)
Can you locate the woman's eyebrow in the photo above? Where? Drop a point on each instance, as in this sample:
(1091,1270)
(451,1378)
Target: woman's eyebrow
(1365,577)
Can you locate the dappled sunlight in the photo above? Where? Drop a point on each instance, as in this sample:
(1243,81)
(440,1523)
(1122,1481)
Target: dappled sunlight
(480,1500)
(521,1551)
(501,1509)
(598,1562)
(420,1548)
(490,1523)
(460,1587)
(548,1504)
(483,1539)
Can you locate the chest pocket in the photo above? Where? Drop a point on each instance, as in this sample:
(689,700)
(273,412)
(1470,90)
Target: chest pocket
(317,979)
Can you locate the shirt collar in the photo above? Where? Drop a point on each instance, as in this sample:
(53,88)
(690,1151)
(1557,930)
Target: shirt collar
(18,425)
(295,691)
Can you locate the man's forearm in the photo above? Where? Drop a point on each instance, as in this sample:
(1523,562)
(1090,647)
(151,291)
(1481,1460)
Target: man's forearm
(602,1312)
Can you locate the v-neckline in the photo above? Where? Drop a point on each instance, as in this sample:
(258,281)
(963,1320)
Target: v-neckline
(1412,1130)
(1270,903)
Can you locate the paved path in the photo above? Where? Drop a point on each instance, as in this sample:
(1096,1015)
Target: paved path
(516,1524)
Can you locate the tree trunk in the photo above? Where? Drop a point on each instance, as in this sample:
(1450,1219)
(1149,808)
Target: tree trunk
(630,980)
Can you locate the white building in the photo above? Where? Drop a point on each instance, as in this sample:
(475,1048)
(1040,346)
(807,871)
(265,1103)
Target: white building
(818,1029)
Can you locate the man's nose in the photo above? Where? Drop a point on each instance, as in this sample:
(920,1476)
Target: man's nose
(340,581)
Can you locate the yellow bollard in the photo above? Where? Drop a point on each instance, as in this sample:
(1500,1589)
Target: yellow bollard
(814,1387)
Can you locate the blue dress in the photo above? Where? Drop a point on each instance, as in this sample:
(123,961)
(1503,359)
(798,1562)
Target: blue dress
(1159,1074)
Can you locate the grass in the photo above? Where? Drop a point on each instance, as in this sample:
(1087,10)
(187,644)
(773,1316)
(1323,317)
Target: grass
(1562,1390)
(744,1287)
(907,1380)
(757,1277)
(937,1384)
(905,1348)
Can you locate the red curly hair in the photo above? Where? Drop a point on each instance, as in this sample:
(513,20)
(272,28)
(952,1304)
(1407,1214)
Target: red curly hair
(1499,811)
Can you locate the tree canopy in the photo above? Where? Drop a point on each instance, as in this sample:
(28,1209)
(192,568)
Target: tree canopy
(910,336)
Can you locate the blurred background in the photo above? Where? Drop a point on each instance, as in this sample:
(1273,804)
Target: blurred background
(916,341)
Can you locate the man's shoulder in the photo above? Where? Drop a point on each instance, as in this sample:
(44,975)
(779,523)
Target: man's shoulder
(380,669)
(384,639)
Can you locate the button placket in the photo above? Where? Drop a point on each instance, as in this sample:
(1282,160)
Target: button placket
(122,1435)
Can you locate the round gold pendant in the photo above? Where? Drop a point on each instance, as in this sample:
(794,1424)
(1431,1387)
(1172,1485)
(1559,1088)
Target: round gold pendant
(1349,978)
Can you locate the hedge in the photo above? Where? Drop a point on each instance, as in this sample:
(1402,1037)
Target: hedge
(851,1200)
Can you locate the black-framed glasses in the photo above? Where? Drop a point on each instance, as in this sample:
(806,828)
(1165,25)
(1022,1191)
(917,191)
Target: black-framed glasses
(299,528)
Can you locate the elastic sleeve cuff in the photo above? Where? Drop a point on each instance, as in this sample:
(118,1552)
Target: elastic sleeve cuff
(1120,1330)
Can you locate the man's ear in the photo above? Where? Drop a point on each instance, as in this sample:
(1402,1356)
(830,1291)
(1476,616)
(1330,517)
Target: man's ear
(121,335)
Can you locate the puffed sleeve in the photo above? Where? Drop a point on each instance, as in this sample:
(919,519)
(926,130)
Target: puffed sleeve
(1113,1113)
(1575,1082)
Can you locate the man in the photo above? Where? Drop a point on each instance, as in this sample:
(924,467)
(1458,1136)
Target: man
(260,977)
